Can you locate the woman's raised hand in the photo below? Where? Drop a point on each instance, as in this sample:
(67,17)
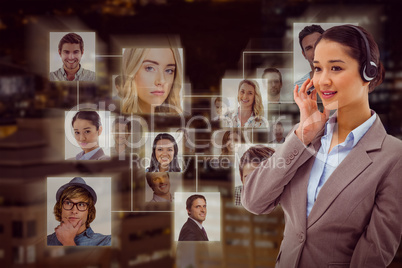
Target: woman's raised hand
(311,119)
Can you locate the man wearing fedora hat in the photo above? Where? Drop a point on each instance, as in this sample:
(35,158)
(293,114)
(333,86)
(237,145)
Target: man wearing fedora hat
(75,210)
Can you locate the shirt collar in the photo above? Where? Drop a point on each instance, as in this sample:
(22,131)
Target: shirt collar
(88,233)
(161,199)
(238,112)
(356,134)
(87,156)
(199,224)
(77,74)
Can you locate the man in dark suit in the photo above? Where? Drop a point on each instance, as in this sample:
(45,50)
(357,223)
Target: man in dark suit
(192,230)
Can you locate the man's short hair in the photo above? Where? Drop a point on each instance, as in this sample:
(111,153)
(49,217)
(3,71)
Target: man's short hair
(255,154)
(272,70)
(73,192)
(72,38)
(150,175)
(279,123)
(309,30)
(191,199)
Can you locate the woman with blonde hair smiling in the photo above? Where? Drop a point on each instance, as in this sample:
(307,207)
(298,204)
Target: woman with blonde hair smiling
(153,80)
(250,109)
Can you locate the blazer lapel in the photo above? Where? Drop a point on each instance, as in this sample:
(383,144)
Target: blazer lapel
(196,227)
(98,154)
(299,185)
(353,165)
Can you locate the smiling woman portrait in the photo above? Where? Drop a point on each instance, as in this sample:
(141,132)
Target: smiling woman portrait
(250,110)
(164,154)
(340,183)
(87,128)
(152,80)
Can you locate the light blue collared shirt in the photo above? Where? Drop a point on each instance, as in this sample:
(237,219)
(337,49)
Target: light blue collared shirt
(81,75)
(325,163)
(86,238)
(87,156)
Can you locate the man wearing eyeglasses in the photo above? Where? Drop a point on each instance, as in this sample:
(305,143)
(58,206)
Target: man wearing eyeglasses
(75,210)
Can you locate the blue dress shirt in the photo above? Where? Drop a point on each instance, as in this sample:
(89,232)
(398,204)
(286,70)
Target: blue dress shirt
(86,238)
(325,163)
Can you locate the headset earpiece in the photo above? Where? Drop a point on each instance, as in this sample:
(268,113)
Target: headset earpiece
(368,70)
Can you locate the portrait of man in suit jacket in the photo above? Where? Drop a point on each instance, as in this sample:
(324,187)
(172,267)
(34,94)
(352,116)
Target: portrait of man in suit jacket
(192,230)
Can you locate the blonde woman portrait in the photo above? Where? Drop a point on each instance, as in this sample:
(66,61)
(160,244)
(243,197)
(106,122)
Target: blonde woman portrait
(250,110)
(152,80)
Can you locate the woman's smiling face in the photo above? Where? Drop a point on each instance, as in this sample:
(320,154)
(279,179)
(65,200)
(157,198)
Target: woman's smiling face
(164,152)
(233,141)
(155,78)
(246,96)
(337,78)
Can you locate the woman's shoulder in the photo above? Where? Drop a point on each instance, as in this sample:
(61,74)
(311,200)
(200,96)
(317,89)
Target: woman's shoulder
(100,155)
(104,157)
(392,144)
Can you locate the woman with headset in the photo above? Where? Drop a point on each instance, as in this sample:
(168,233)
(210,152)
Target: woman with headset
(339,183)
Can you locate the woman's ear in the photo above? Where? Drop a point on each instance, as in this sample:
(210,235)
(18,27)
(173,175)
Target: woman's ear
(100,130)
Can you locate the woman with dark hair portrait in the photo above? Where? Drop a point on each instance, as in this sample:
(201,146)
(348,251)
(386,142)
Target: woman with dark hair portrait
(230,140)
(250,110)
(337,178)
(164,154)
(87,128)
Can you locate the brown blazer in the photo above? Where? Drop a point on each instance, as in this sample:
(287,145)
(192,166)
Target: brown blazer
(356,220)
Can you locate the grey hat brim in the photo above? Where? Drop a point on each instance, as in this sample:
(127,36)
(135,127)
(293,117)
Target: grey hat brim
(79,182)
